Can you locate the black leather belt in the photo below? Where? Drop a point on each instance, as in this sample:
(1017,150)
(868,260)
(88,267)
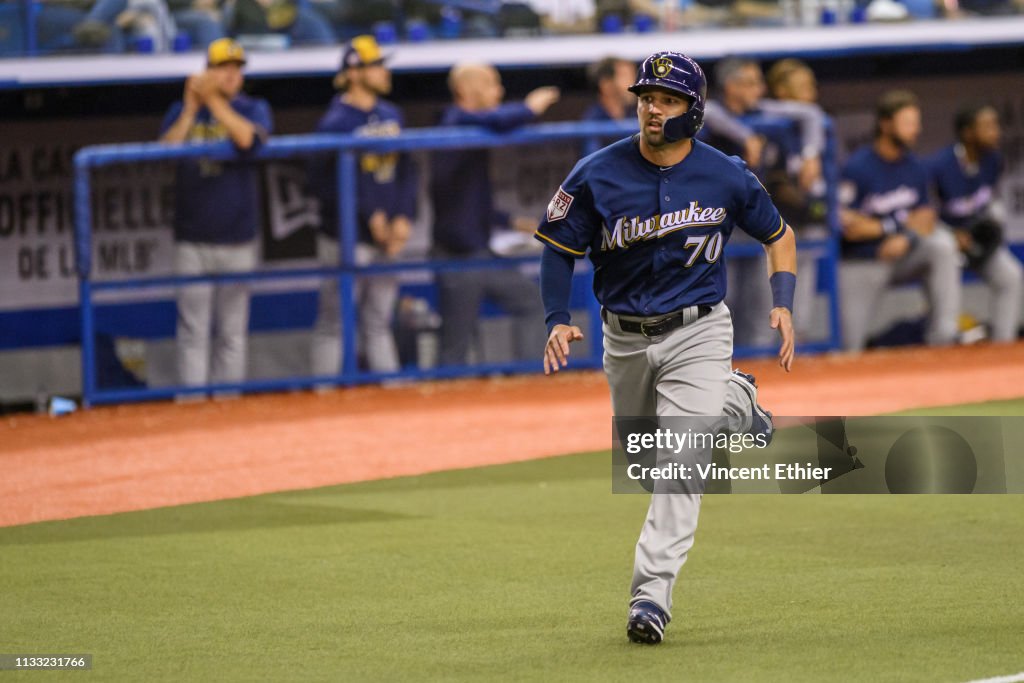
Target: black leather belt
(655,327)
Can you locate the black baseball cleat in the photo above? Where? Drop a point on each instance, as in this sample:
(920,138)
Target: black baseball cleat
(761,419)
(646,623)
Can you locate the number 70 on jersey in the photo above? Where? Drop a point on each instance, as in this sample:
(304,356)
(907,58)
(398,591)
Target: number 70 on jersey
(708,245)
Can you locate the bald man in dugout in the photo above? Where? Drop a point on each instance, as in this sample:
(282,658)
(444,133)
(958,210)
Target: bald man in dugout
(465,217)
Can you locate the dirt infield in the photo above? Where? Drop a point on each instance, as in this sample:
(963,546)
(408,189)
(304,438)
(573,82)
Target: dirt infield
(136,457)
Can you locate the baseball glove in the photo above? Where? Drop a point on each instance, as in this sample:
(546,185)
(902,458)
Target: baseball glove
(986,236)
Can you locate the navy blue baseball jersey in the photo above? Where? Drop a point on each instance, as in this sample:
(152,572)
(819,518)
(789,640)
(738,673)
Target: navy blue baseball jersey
(218,201)
(881,189)
(964,192)
(386,182)
(656,235)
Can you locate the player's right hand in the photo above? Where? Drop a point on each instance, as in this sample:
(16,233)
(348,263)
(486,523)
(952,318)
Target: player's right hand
(894,247)
(963,239)
(781,319)
(540,99)
(556,351)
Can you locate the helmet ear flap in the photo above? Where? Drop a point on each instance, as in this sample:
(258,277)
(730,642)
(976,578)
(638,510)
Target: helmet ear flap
(683,126)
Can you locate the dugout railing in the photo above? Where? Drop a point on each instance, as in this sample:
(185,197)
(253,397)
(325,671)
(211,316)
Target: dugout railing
(347,148)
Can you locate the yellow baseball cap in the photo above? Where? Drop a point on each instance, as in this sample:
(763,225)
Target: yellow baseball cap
(224,51)
(361,51)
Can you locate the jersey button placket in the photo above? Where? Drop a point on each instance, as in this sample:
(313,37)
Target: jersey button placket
(660,260)
(660,254)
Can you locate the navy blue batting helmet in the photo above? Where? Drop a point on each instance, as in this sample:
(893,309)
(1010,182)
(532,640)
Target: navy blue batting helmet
(676,72)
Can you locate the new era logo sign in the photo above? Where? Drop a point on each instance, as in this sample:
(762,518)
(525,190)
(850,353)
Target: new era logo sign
(558,208)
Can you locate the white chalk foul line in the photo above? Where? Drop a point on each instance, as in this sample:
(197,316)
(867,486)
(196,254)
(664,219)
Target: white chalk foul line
(1012,678)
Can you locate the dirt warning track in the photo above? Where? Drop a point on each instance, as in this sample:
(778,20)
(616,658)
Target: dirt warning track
(135,457)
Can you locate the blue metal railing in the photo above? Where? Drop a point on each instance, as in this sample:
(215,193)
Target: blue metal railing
(346,147)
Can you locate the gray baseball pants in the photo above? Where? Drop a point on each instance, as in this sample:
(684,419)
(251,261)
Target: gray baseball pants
(683,373)
(460,294)
(375,302)
(206,311)
(934,259)
(1004,276)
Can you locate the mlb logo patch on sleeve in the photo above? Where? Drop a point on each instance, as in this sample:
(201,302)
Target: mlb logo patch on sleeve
(558,207)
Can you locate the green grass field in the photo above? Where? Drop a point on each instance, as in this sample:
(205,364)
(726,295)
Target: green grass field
(521,572)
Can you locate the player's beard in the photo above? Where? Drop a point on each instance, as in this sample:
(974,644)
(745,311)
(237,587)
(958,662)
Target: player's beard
(986,146)
(655,139)
(900,143)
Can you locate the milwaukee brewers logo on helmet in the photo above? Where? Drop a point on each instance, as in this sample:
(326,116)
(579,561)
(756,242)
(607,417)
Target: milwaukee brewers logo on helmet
(662,66)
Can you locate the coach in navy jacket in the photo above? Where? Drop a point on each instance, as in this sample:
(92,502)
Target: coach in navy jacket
(464,216)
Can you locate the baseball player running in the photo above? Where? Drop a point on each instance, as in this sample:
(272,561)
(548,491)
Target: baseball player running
(655,211)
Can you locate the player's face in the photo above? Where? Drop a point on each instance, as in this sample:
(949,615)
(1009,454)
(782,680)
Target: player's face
(801,86)
(491,91)
(377,79)
(746,87)
(229,78)
(905,127)
(625,73)
(653,107)
(986,130)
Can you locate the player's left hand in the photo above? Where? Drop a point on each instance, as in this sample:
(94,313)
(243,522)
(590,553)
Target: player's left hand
(782,320)
(399,235)
(206,86)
